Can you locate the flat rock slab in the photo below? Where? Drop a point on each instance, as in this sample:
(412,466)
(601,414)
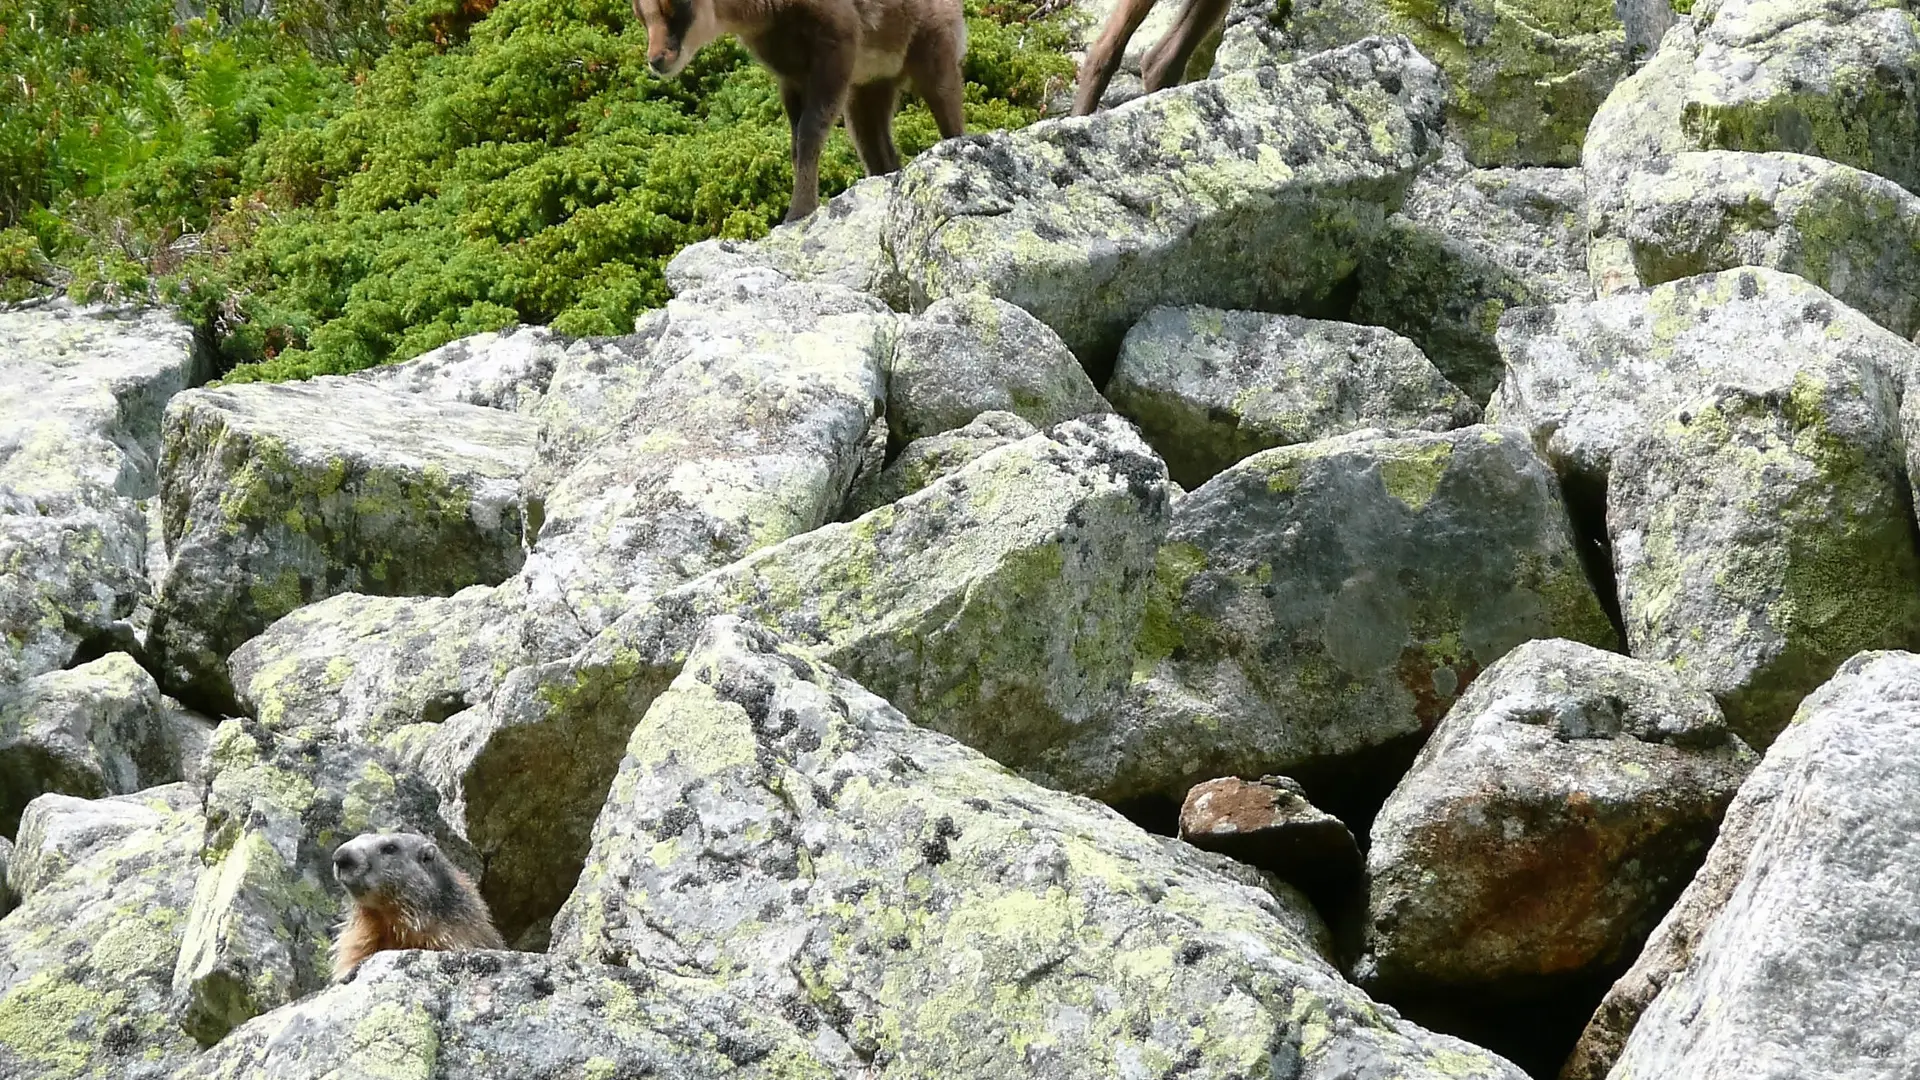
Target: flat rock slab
(1586,378)
(1251,191)
(1317,603)
(776,824)
(1210,388)
(278,495)
(1547,825)
(1853,233)
(511,1016)
(81,396)
(86,960)
(96,730)
(1789,950)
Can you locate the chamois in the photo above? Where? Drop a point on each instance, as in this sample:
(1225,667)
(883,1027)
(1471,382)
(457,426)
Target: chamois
(828,55)
(1164,63)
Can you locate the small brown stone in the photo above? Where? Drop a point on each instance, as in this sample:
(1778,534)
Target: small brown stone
(1268,823)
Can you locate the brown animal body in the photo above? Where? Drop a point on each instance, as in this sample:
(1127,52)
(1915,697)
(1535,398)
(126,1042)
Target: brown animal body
(405,895)
(829,56)
(1164,63)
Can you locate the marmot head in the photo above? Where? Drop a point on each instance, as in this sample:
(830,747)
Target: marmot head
(381,868)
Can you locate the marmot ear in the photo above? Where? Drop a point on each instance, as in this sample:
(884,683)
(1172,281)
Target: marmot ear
(429,851)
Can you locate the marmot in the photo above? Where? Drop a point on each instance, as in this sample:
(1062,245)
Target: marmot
(405,895)
(830,56)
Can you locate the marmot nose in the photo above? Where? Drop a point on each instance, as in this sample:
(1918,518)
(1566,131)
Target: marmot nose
(343,862)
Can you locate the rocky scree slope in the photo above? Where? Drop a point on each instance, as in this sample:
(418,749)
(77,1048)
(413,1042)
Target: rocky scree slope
(1454,502)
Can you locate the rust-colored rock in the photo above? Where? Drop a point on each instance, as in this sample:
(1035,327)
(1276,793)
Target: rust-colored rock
(1268,823)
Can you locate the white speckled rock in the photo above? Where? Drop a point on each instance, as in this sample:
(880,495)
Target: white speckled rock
(277,495)
(999,605)
(840,244)
(99,729)
(87,957)
(1850,232)
(1249,191)
(1547,825)
(966,355)
(1317,604)
(1210,388)
(81,395)
(507,370)
(1790,953)
(929,459)
(775,821)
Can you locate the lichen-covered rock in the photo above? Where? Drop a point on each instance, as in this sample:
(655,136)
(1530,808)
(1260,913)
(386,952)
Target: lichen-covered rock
(1788,955)
(1210,388)
(1638,128)
(998,605)
(79,434)
(1547,825)
(277,495)
(776,824)
(86,960)
(1585,378)
(266,901)
(1320,602)
(1761,538)
(929,459)
(1850,232)
(512,1016)
(842,243)
(1468,245)
(365,667)
(1524,76)
(508,369)
(729,421)
(99,729)
(966,355)
(1838,79)
(1268,823)
(1250,191)
(7,898)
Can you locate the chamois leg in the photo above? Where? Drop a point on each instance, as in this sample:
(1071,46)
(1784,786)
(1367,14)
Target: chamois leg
(1166,63)
(870,121)
(933,64)
(1103,57)
(812,106)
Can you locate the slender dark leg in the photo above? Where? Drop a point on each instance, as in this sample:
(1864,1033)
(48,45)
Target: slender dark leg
(1103,58)
(934,66)
(1166,62)
(870,120)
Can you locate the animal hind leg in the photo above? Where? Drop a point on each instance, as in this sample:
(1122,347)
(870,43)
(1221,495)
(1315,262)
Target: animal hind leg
(1167,61)
(1103,57)
(870,121)
(933,64)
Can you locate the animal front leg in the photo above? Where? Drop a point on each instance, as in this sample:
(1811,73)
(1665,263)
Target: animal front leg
(1166,63)
(1103,58)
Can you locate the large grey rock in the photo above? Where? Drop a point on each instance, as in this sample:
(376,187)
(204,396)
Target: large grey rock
(1637,129)
(1586,378)
(277,495)
(86,959)
(966,355)
(1524,77)
(729,421)
(998,605)
(1318,603)
(1547,825)
(1762,537)
(936,915)
(1257,190)
(1790,952)
(929,459)
(277,806)
(1850,232)
(842,243)
(1210,388)
(99,729)
(1468,245)
(507,370)
(511,1016)
(1838,79)
(81,395)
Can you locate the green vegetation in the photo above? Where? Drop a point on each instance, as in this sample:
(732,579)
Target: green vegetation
(360,182)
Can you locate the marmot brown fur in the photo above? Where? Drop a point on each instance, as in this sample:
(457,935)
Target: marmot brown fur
(405,895)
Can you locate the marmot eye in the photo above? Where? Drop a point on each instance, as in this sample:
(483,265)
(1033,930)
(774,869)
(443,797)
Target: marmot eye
(389,848)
